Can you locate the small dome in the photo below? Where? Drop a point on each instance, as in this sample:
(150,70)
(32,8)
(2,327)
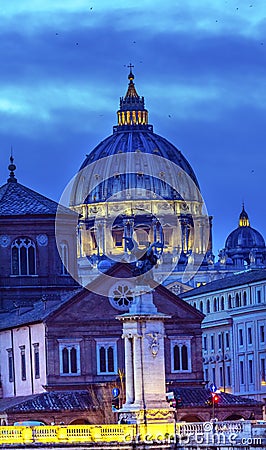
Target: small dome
(245,245)
(244,237)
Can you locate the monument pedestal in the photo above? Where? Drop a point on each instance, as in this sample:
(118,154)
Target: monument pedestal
(143,332)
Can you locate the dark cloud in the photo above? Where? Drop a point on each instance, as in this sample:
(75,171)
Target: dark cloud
(203,85)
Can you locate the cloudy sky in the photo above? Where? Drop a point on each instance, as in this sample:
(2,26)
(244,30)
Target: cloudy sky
(200,65)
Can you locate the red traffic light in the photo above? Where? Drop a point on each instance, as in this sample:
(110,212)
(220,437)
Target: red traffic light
(215,398)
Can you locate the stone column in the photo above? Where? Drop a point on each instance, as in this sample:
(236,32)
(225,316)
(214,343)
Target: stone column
(137,362)
(129,370)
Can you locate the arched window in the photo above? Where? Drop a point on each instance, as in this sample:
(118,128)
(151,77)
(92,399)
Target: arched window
(215,308)
(195,305)
(201,306)
(69,356)
(23,257)
(229,301)
(222,303)
(110,359)
(181,356)
(106,357)
(244,298)
(176,357)
(208,306)
(237,303)
(64,254)
(184,357)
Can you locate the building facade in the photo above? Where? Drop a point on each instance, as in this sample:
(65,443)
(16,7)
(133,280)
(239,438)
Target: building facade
(233,339)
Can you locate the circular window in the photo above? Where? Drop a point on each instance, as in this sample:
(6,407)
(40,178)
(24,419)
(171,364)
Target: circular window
(121,296)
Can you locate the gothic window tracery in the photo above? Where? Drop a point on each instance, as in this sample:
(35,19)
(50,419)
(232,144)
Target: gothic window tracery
(23,257)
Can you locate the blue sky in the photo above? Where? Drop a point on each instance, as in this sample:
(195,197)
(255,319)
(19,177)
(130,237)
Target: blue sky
(200,65)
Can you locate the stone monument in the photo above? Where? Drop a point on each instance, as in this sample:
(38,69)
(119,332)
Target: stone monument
(143,332)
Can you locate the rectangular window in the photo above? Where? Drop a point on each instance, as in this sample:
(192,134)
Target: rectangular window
(221,376)
(23,362)
(10,365)
(250,371)
(69,356)
(206,374)
(181,355)
(241,341)
(106,357)
(219,341)
(241,374)
(205,343)
(213,375)
(262,334)
(262,370)
(212,342)
(118,238)
(36,353)
(249,336)
(228,369)
(227,342)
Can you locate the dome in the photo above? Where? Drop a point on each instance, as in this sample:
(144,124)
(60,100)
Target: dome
(244,245)
(244,238)
(137,185)
(133,134)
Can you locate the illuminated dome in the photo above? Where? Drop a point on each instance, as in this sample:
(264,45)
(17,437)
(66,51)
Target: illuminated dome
(137,184)
(133,134)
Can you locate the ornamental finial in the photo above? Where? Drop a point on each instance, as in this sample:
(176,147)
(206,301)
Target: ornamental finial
(12,168)
(130,76)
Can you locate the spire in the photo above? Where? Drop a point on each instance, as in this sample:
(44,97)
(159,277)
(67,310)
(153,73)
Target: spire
(132,114)
(11,168)
(131,90)
(243,218)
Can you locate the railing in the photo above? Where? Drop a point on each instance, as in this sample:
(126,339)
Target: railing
(218,433)
(84,433)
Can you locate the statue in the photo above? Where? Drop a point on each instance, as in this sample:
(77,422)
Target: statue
(145,259)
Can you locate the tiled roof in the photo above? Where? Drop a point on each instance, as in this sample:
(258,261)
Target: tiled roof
(82,401)
(16,199)
(238,279)
(49,401)
(199,397)
(37,312)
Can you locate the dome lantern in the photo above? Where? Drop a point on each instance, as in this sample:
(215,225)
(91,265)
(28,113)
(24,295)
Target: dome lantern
(132,113)
(243,218)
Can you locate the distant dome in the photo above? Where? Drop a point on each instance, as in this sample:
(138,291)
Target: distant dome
(245,245)
(244,238)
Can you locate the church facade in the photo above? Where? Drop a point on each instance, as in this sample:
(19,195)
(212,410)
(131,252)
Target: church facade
(233,339)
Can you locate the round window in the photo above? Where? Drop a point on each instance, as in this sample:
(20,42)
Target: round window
(121,296)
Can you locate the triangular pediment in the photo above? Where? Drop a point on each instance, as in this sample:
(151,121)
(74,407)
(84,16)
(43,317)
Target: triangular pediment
(89,305)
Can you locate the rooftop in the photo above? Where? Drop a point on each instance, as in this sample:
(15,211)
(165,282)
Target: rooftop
(238,279)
